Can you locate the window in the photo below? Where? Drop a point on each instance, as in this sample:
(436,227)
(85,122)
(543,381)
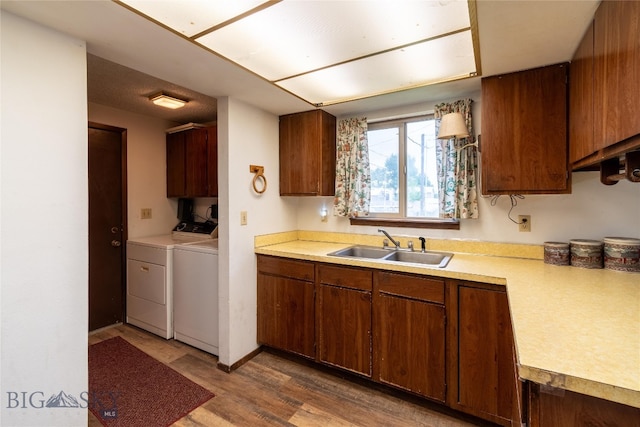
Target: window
(402,156)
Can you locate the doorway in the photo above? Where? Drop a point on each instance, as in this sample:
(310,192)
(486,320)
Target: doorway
(107,224)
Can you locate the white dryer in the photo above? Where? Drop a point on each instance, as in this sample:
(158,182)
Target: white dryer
(195,294)
(150,280)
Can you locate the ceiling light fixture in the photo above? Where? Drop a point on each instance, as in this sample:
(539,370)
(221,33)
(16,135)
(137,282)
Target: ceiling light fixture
(167,101)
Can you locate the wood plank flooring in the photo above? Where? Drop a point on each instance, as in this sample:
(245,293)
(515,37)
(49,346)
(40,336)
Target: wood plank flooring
(272,390)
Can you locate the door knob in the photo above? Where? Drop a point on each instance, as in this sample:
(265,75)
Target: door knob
(114,230)
(115,243)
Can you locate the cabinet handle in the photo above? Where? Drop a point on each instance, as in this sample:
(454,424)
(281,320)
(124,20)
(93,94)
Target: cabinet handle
(144,269)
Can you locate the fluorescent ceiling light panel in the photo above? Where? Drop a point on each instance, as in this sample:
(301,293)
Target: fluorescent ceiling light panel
(406,68)
(191,17)
(294,37)
(331,51)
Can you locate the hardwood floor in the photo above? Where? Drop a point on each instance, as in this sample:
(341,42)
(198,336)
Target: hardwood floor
(271,390)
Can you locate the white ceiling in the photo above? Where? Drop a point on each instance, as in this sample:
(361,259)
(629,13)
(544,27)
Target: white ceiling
(130,56)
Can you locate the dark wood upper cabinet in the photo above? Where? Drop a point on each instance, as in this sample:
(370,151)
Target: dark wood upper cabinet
(581,141)
(605,112)
(192,163)
(524,132)
(307,154)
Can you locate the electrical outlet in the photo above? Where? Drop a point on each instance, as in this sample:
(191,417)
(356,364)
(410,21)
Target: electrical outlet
(524,222)
(243,218)
(145,213)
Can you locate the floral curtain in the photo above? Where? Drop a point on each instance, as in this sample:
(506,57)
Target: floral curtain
(353,177)
(457,168)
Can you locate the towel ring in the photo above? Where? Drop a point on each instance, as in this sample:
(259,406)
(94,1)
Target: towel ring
(259,173)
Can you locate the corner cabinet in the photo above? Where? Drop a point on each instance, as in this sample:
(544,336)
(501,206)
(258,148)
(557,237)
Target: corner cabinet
(307,154)
(482,365)
(192,163)
(605,112)
(524,132)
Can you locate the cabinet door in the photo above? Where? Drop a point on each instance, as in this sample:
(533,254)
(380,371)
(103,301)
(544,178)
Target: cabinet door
(410,344)
(581,141)
(212,161)
(484,379)
(176,164)
(344,318)
(286,314)
(409,333)
(524,132)
(196,163)
(617,71)
(307,154)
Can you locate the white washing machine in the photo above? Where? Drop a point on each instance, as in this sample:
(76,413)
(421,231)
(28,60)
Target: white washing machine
(195,294)
(150,280)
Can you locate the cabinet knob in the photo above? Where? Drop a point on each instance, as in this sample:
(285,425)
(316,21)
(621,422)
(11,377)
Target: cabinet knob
(115,243)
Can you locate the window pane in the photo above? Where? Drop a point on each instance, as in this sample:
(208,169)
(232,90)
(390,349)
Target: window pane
(384,146)
(422,181)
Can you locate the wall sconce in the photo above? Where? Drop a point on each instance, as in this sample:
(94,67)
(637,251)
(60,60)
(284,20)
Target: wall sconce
(324,216)
(167,101)
(452,125)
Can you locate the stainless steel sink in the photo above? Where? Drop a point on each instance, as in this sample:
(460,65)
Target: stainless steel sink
(369,252)
(439,259)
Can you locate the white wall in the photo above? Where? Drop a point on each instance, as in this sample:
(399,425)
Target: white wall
(43,224)
(146,169)
(591,211)
(246,136)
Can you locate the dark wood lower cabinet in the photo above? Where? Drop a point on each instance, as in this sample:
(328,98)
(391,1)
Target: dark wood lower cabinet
(482,370)
(344,318)
(561,408)
(286,305)
(409,333)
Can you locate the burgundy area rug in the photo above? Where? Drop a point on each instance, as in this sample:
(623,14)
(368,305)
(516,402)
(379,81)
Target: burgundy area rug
(129,388)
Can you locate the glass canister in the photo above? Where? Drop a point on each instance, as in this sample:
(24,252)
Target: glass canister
(622,254)
(587,253)
(556,253)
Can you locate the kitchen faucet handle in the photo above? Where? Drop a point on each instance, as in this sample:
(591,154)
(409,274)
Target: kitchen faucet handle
(423,243)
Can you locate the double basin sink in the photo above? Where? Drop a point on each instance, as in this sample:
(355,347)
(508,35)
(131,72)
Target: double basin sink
(371,253)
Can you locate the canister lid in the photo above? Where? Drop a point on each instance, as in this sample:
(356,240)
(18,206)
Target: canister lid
(622,240)
(586,242)
(556,244)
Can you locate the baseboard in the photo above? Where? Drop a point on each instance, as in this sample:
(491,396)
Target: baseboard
(228,369)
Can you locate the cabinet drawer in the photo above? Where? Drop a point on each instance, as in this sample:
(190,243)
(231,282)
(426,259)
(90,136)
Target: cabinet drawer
(345,277)
(147,254)
(301,270)
(410,286)
(146,281)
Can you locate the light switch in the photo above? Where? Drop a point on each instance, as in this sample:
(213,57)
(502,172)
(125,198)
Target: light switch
(145,213)
(243,218)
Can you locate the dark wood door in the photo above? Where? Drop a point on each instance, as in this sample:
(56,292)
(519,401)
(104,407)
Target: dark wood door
(343,318)
(616,72)
(524,132)
(307,154)
(107,224)
(409,333)
(484,362)
(286,317)
(176,184)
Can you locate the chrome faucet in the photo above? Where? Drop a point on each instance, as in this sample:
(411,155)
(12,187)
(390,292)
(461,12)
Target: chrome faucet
(396,243)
